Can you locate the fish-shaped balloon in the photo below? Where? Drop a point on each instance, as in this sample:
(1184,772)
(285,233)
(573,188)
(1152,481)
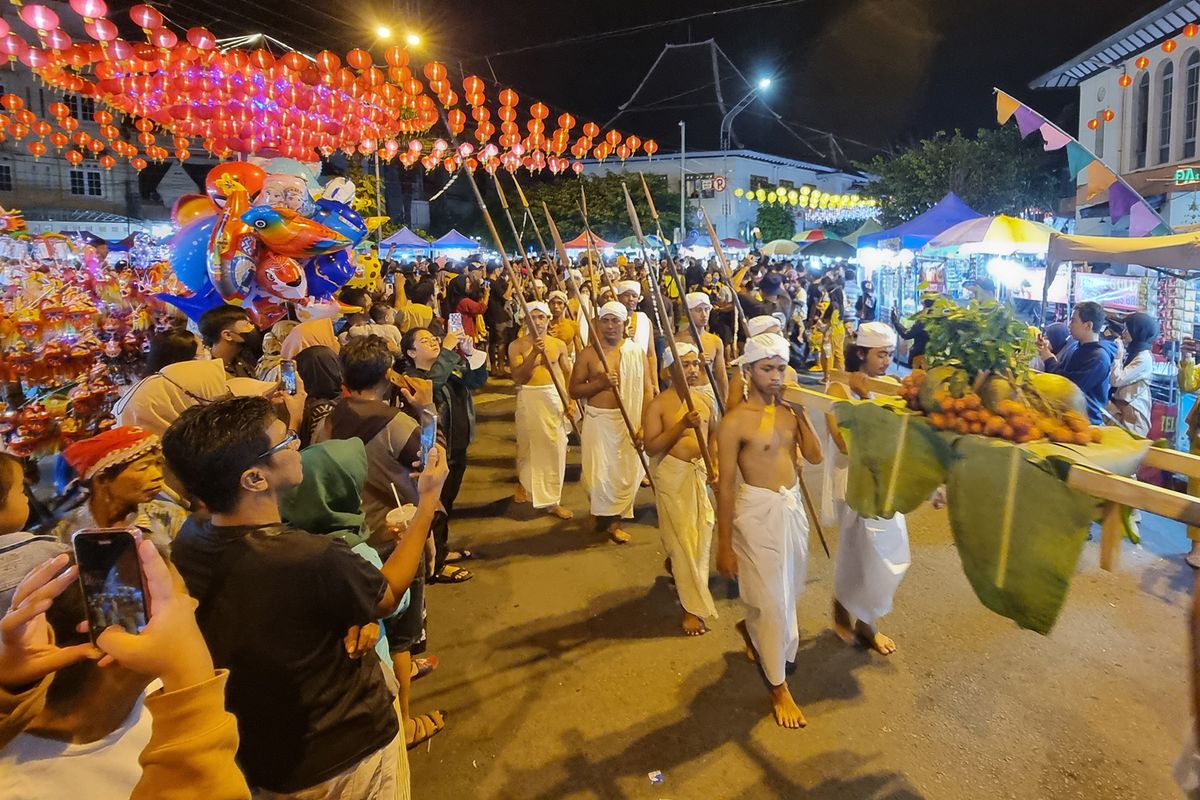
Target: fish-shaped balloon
(287,233)
(281,277)
(341,218)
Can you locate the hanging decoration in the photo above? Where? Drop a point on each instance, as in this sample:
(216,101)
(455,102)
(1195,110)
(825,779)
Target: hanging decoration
(817,205)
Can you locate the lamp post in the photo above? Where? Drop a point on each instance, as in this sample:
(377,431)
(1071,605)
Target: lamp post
(726,135)
(682,183)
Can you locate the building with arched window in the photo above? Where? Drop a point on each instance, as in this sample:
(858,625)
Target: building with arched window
(1139,111)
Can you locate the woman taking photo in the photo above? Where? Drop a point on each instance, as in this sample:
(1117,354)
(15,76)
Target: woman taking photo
(1132,370)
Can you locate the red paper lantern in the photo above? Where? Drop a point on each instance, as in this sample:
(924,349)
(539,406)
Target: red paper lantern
(359,59)
(138,163)
(89,9)
(1093,124)
(108,162)
(1125,81)
(38,17)
(146,16)
(435,71)
(1142,62)
(591,130)
(1108,115)
(1190,30)
(59,140)
(74,156)
(1169,46)
(509,98)
(38,149)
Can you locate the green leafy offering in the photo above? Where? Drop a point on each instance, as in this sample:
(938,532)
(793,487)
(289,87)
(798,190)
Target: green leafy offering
(1118,451)
(1018,528)
(983,337)
(902,462)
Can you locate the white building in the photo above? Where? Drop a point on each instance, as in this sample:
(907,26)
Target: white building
(711,177)
(1139,111)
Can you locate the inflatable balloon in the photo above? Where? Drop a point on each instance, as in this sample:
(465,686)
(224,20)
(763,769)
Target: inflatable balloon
(368,271)
(281,277)
(328,273)
(286,232)
(284,191)
(194,306)
(263,309)
(189,254)
(191,207)
(339,190)
(233,248)
(223,178)
(312,309)
(341,218)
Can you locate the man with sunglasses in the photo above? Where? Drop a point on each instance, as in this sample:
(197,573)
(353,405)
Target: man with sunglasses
(275,605)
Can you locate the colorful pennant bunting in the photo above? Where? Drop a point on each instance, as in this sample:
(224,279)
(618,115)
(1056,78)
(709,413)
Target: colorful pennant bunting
(1078,158)
(1028,120)
(1099,178)
(1006,105)
(1142,219)
(1120,200)
(1053,137)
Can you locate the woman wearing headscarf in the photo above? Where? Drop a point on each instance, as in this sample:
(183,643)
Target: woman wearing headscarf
(1132,370)
(309,334)
(321,371)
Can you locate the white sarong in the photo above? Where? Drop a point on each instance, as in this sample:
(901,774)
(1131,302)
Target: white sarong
(770,540)
(612,470)
(685,522)
(706,389)
(541,444)
(872,558)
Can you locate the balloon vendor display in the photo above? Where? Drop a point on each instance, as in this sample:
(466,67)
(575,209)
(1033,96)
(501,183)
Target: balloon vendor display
(72,332)
(267,239)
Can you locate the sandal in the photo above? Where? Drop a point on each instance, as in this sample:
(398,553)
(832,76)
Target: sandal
(425,727)
(452,574)
(455,556)
(423,666)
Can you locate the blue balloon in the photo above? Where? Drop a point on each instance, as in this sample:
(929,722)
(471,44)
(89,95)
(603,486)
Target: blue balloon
(189,254)
(341,218)
(326,273)
(197,304)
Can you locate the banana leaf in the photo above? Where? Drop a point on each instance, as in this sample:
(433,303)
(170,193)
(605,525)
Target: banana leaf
(1018,528)
(900,462)
(1118,451)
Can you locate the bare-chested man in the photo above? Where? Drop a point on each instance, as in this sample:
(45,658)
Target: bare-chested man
(542,425)
(562,326)
(737,385)
(699,307)
(762,529)
(685,514)
(612,469)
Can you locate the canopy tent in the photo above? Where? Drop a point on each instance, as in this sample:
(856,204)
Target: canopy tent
(580,242)
(1180,251)
(734,244)
(916,233)
(868,227)
(454,241)
(780,247)
(405,239)
(814,235)
(631,243)
(828,248)
(1000,235)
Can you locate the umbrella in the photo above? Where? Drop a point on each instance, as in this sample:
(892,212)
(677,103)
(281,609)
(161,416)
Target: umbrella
(999,236)
(780,247)
(631,243)
(734,244)
(814,235)
(867,228)
(828,248)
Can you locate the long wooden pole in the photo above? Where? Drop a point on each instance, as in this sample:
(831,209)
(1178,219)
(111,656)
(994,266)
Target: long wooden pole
(537,232)
(681,288)
(738,312)
(681,386)
(594,335)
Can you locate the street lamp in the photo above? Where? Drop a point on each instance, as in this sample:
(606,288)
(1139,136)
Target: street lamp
(727,120)
(383,32)
(412,40)
(764,84)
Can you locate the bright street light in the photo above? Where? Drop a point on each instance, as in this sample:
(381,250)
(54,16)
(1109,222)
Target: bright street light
(383,32)
(764,83)
(412,39)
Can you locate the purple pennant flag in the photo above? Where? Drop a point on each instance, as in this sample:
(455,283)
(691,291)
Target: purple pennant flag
(1120,200)
(1142,219)
(1028,120)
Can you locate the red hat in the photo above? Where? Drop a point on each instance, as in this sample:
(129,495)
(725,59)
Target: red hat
(120,445)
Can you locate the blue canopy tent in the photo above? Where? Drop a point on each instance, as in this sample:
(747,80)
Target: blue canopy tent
(404,239)
(455,241)
(697,239)
(918,231)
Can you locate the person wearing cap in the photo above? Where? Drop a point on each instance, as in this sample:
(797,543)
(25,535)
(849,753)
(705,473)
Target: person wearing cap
(562,327)
(873,554)
(685,513)
(699,308)
(612,468)
(629,294)
(762,528)
(542,425)
(122,472)
(764,323)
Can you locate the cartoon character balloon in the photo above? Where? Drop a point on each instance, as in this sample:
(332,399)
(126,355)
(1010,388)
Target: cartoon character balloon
(281,277)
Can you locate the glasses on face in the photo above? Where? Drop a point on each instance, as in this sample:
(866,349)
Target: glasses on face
(292,436)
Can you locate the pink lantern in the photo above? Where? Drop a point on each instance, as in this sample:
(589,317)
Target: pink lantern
(578,167)
(38,17)
(201,38)
(146,16)
(101,30)
(89,9)
(164,38)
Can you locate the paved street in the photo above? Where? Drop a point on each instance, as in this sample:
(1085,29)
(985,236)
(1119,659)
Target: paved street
(565,675)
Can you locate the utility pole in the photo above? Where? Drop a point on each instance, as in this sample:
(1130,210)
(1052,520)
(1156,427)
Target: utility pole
(682,183)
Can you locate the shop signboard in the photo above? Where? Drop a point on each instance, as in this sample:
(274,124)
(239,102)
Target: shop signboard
(1110,291)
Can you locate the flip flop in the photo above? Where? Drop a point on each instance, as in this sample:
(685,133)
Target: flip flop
(455,556)
(452,574)
(423,666)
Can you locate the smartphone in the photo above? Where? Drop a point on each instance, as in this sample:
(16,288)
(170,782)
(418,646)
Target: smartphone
(454,323)
(287,375)
(110,575)
(428,436)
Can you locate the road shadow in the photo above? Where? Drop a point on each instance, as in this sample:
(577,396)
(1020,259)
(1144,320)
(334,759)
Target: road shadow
(723,710)
(1168,580)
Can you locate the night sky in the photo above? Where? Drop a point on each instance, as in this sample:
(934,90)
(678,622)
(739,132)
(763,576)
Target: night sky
(873,72)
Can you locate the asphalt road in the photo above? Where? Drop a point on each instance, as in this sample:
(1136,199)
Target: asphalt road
(565,674)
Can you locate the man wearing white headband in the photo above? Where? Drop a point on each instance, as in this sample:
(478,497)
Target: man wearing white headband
(612,469)
(699,308)
(639,327)
(762,529)
(765,323)
(542,425)
(873,554)
(685,514)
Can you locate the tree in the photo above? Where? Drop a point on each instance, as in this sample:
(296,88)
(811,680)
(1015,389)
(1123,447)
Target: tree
(994,173)
(606,208)
(366,188)
(775,222)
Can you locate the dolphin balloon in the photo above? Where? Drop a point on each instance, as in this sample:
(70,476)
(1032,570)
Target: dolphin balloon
(285,232)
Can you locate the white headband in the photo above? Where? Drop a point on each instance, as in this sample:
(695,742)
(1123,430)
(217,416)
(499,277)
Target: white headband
(697,299)
(629,286)
(614,309)
(765,345)
(558,294)
(760,325)
(538,305)
(875,334)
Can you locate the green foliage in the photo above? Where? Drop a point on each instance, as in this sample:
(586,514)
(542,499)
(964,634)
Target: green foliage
(775,222)
(994,173)
(606,208)
(983,337)
(366,189)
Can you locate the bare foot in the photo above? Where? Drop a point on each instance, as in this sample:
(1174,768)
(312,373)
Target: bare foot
(751,655)
(874,639)
(693,625)
(618,536)
(787,713)
(562,513)
(520,495)
(843,626)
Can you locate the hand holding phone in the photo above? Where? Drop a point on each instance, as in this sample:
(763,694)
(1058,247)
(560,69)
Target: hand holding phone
(287,375)
(428,436)
(110,576)
(454,323)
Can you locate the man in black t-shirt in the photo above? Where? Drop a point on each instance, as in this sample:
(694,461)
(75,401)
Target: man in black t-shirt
(276,604)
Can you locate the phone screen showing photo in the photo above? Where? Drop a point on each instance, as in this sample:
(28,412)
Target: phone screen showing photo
(428,436)
(287,375)
(111,577)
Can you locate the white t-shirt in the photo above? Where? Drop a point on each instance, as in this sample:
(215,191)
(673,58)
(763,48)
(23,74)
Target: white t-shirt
(33,768)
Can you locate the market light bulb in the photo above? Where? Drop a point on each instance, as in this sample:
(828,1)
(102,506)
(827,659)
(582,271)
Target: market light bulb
(412,40)
(383,32)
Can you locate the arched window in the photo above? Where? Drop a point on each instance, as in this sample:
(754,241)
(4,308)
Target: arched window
(1141,121)
(1166,100)
(1191,103)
